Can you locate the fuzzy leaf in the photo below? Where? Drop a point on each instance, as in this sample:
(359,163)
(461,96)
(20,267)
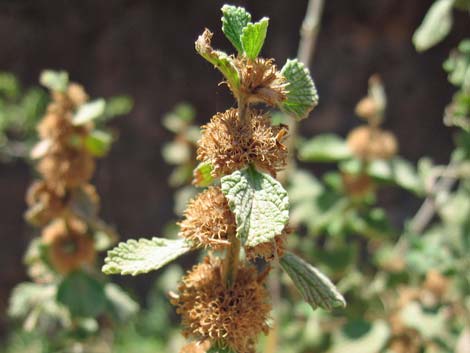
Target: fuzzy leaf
(217,58)
(89,112)
(315,287)
(253,37)
(302,95)
(436,25)
(202,175)
(260,205)
(234,19)
(54,80)
(135,257)
(325,148)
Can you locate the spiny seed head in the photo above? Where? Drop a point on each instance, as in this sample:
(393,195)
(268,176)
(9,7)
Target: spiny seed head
(230,145)
(260,81)
(370,143)
(67,168)
(228,316)
(69,245)
(208,221)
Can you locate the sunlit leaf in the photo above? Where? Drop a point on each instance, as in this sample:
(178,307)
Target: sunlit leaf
(436,25)
(302,95)
(89,112)
(253,37)
(315,287)
(135,257)
(234,19)
(260,205)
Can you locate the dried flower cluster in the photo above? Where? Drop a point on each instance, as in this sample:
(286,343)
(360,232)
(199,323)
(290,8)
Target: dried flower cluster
(232,316)
(230,144)
(66,167)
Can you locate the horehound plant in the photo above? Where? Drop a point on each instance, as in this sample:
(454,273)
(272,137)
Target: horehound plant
(243,214)
(68,294)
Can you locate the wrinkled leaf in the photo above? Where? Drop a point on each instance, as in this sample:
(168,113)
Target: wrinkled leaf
(234,19)
(302,95)
(436,25)
(135,257)
(260,205)
(253,37)
(315,287)
(89,112)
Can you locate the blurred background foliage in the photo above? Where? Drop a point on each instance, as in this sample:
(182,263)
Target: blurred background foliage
(404,275)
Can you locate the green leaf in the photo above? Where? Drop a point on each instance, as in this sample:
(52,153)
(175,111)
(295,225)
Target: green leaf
(302,95)
(253,37)
(135,257)
(324,148)
(260,205)
(430,325)
(89,112)
(117,106)
(217,58)
(54,80)
(315,287)
(98,142)
(234,19)
(436,25)
(361,337)
(82,294)
(121,305)
(202,175)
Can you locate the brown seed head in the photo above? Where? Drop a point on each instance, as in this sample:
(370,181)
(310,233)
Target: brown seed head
(208,221)
(268,250)
(69,245)
(231,145)
(67,168)
(372,143)
(49,201)
(260,81)
(367,108)
(196,347)
(230,316)
(76,94)
(357,185)
(436,283)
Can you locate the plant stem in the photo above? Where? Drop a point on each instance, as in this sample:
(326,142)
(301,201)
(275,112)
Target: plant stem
(232,258)
(428,208)
(308,38)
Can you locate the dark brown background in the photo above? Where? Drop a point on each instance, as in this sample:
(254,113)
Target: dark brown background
(145,48)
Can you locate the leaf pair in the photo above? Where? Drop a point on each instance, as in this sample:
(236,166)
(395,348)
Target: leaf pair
(248,38)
